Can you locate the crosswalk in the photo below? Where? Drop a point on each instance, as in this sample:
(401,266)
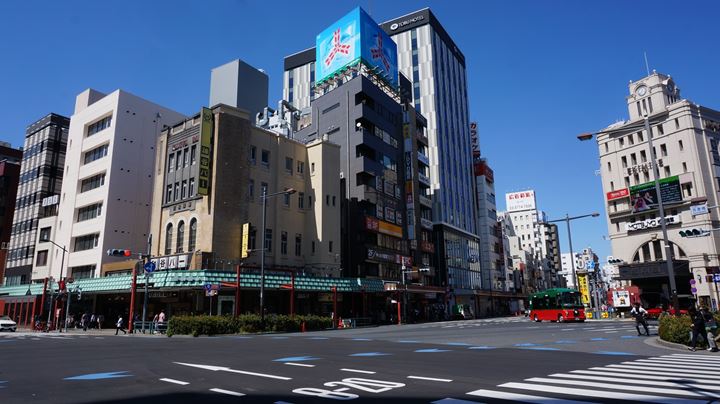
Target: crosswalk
(675,378)
(607,328)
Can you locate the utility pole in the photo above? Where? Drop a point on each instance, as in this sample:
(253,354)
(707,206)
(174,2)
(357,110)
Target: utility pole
(146,259)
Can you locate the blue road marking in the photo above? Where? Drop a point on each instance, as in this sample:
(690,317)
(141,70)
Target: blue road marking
(407,341)
(598,339)
(630,336)
(542,348)
(100,376)
(6,340)
(526,344)
(279,337)
(296,359)
(565,342)
(1,382)
(362,339)
(431,350)
(614,353)
(318,338)
(458,343)
(481,347)
(370,354)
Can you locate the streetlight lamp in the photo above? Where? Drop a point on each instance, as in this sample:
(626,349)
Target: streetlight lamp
(661,207)
(567,221)
(265,196)
(52,297)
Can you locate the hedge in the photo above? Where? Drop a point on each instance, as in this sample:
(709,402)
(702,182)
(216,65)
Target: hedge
(677,328)
(246,323)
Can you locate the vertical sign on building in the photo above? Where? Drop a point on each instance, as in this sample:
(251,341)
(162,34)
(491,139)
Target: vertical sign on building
(474,142)
(584,289)
(206,128)
(245,238)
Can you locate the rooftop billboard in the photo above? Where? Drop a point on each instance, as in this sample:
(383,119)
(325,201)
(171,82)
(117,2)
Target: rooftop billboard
(355,38)
(524,200)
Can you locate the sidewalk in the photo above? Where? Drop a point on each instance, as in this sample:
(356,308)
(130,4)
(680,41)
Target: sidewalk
(89,332)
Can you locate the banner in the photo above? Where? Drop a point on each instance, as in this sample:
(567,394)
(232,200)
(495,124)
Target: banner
(621,298)
(584,289)
(206,129)
(245,238)
(643,197)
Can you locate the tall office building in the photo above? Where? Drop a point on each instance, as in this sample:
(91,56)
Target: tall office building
(9,180)
(109,168)
(436,68)
(38,195)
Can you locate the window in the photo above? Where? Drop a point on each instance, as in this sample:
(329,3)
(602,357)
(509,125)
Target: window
(684,167)
(667,171)
(309,201)
(252,154)
(99,125)
(622,142)
(312,168)
(640,136)
(663,150)
(327,200)
(687,190)
(301,200)
(86,242)
(283,243)
(178,160)
(289,165)
(45,233)
(186,158)
(184,189)
(612,186)
(301,167)
(89,212)
(609,166)
(95,154)
(192,187)
(83,272)
(298,245)
(192,239)
(660,130)
(171,162)
(333,200)
(286,199)
(633,159)
(607,148)
(92,182)
(624,161)
(168,194)
(41,260)
(630,139)
(680,144)
(312,243)
(677,123)
(268,240)
(330,245)
(251,188)
(643,156)
(265,158)
(168,239)
(177,191)
(180,237)
(252,238)
(193,154)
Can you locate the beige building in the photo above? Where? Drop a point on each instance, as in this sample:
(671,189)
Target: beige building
(685,140)
(209,179)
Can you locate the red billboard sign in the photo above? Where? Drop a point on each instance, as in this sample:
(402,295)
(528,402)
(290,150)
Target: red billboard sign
(620,193)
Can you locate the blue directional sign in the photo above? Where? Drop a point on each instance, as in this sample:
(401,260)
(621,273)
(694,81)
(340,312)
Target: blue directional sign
(208,287)
(716,278)
(149,266)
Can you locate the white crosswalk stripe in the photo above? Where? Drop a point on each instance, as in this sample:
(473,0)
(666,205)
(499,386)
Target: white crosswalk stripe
(663,379)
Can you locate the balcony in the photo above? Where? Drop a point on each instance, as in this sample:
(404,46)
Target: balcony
(424,179)
(425,201)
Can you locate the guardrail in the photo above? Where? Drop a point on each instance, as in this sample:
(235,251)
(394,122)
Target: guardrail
(150,326)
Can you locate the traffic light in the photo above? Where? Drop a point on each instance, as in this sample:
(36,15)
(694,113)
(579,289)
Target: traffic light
(615,261)
(119,253)
(694,233)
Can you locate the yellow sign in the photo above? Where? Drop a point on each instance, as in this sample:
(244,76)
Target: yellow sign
(245,238)
(206,128)
(584,290)
(390,229)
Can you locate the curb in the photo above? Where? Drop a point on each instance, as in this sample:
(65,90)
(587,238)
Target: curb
(660,343)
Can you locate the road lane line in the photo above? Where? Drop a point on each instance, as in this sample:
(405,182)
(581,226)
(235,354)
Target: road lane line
(180,382)
(228,392)
(665,369)
(358,371)
(644,382)
(494,394)
(604,394)
(658,390)
(432,379)
(227,369)
(305,365)
(454,401)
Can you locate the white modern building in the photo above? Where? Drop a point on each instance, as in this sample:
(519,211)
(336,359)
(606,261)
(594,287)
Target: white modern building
(685,140)
(106,196)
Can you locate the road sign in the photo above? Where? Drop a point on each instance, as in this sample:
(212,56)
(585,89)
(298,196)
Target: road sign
(716,278)
(699,209)
(208,286)
(694,291)
(149,266)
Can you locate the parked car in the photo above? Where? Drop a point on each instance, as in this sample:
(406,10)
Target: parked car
(6,324)
(655,312)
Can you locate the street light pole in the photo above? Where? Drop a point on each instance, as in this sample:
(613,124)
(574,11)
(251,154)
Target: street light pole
(52,296)
(567,221)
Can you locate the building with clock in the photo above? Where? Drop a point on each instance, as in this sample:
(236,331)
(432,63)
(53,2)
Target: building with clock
(685,143)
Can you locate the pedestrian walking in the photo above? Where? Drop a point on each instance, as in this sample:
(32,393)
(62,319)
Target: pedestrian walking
(119,326)
(85,321)
(100,321)
(710,328)
(161,319)
(154,324)
(640,315)
(93,320)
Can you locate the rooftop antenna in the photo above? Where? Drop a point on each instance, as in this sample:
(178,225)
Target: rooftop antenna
(647,66)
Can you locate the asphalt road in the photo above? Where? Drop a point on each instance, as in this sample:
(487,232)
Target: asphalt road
(459,362)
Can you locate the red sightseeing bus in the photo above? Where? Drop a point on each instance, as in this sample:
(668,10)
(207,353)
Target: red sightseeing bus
(557,305)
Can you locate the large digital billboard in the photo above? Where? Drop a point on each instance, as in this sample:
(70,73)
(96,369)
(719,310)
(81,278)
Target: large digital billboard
(644,197)
(354,38)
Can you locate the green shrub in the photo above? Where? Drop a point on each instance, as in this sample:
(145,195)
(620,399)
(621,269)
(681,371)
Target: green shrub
(246,323)
(677,328)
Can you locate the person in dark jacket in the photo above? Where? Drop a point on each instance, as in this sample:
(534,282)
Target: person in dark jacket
(697,326)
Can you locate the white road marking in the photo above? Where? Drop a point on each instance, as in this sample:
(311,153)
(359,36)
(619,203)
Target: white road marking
(358,371)
(610,332)
(600,393)
(658,390)
(305,365)
(642,375)
(521,397)
(687,360)
(670,363)
(454,401)
(696,356)
(227,369)
(432,379)
(642,371)
(180,382)
(666,369)
(684,383)
(232,393)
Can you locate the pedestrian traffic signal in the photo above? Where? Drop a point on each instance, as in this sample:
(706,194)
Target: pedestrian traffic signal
(119,253)
(694,233)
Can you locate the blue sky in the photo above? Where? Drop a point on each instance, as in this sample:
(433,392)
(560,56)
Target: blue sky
(539,72)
